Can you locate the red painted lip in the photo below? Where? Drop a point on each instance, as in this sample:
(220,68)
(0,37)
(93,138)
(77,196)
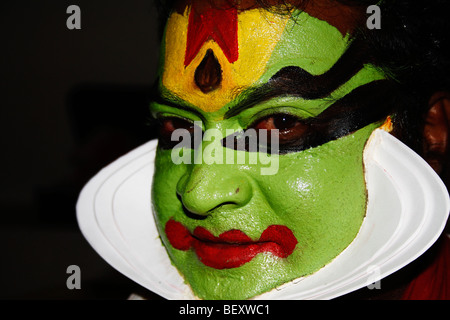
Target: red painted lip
(232,248)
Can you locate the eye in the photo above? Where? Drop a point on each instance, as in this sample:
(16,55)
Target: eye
(290,128)
(168,125)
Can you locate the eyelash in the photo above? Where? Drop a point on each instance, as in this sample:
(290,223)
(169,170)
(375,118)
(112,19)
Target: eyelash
(290,128)
(167,125)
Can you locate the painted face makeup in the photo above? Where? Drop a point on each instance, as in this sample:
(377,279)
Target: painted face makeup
(231,231)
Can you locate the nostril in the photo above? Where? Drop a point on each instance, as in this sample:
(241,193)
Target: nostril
(192,215)
(206,193)
(188,213)
(222,205)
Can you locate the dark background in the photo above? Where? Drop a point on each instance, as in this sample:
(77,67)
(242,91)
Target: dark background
(72,101)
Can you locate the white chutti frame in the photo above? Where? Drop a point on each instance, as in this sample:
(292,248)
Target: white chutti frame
(407,211)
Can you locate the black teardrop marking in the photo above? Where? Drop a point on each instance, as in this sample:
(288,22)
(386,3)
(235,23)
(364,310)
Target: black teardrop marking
(208,75)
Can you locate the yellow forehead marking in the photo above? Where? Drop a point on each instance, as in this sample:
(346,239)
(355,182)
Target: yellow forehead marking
(258,33)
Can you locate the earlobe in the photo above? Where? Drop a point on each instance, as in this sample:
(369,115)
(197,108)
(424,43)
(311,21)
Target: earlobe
(436,131)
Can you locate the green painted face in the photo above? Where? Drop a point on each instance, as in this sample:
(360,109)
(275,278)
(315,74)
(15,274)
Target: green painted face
(235,230)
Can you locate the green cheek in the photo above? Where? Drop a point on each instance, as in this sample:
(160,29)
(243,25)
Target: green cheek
(326,202)
(319,194)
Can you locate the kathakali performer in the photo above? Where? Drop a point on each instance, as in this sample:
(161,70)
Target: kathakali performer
(308,73)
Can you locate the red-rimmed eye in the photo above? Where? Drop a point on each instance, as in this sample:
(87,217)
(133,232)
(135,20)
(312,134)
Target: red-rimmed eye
(169,125)
(290,128)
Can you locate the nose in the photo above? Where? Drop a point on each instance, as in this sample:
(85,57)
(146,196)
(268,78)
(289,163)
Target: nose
(209,187)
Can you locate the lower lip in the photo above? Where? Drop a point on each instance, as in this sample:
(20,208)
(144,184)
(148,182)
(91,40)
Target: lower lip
(233,248)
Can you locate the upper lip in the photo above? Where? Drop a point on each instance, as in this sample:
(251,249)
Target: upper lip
(228,237)
(280,235)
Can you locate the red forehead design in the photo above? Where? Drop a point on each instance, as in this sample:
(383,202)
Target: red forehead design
(207,22)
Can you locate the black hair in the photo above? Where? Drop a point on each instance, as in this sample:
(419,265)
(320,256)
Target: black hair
(412,48)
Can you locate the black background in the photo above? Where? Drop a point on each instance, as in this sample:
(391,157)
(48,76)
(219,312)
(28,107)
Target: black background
(72,101)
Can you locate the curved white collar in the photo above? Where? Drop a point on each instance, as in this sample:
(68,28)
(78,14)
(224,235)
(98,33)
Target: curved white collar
(407,211)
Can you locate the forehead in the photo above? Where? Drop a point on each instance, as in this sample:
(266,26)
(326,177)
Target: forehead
(212,54)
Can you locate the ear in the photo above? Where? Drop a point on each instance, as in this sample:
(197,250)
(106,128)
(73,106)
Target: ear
(436,131)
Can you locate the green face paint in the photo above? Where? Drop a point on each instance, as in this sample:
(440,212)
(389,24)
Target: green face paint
(319,194)
(309,43)
(233,232)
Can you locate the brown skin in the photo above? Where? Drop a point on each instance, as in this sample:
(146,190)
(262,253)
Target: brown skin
(436,137)
(436,131)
